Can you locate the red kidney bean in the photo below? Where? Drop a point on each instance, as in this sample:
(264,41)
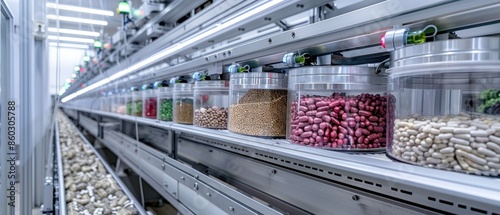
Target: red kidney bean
(341,112)
(310,120)
(344,141)
(311,107)
(365,131)
(321,114)
(325,139)
(326,108)
(333,134)
(315,127)
(306,141)
(308,128)
(374,124)
(334,104)
(300,131)
(314,135)
(336,109)
(342,102)
(364,113)
(350,131)
(293,127)
(321,132)
(358,132)
(302,124)
(317,120)
(361,140)
(382,140)
(354,110)
(352,124)
(310,101)
(303,118)
(362,124)
(372,137)
(326,118)
(343,130)
(303,108)
(321,104)
(343,123)
(334,115)
(378,129)
(357,118)
(353,103)
(306,134)
(301,113)
(340,141)
(311,113)
(335,121)
(319,139)
(373,118)
(370,128)
(347,107)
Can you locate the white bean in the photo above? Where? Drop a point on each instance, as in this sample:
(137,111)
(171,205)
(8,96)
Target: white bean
(485,151)
(476,159)
(480,125)
(437,155)
(493,159)
(433,160)
(481,139)
(461,131)
(493,146)
(459,141)
(495,139)
(446,150)
(445,136)
(480,133)
(446,129)
(464,148)
(462,136)
(494,165)
(477,145)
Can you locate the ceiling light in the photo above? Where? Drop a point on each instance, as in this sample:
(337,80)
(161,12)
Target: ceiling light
(80,9)
(71,39)
(78,20)
(174,48)
(69,45)
(77,32)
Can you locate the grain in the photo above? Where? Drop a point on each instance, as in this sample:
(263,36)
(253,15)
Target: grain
(183,111)
(260,113)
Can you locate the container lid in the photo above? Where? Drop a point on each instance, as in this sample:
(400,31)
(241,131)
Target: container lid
(337,78)
(258,80)
(457,55)
(451,64)
(183,87)
(165,90)
(211,84)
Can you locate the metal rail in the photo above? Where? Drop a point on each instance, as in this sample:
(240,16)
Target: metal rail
(60,176)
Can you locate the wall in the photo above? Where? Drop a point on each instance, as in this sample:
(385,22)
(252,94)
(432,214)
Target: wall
(68,58)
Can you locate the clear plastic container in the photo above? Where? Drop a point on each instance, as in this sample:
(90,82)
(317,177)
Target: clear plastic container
(136,103)
(183,103)
(211,104)
(129,104)
(438,105)
(258,103)
(122,102)
(165,104)
(115,102)
(337,107)
(150,103)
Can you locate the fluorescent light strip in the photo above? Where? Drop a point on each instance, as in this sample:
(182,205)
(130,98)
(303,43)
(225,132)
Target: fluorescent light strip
(69,45)
(71,31)
(80,9)
(78,20)
(71,39)
(177,47)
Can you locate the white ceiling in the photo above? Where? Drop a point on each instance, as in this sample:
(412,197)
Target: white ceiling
(113,21)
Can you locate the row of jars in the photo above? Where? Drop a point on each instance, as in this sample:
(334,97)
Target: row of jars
(431,110)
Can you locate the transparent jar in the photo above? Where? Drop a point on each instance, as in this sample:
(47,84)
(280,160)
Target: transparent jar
(129,103)
(115,102)
(337,107)
(150,103)
(136,103)
(444,105)
(108,102)
(165,104)
(258,104)
(183,103)
(211,104)
(122,102)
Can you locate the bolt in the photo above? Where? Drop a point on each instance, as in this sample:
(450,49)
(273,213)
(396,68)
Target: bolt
(215,56)
(196,176)
(209,195)
(182,177)
(206,59)
(163,166)
(231,208)
(195,186)
(165,184)
(267,18)
(224,54)
(270,41)
(228,53)
(300,6)
(355,197)
(211,41)
(293,34)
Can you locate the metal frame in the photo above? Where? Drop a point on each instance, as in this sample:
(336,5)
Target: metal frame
(59,181)
(431,189)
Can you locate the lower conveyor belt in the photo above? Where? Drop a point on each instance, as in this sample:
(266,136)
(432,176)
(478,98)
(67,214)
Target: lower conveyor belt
(90,185)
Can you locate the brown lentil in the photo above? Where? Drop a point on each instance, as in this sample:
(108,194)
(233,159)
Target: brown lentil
(211,117)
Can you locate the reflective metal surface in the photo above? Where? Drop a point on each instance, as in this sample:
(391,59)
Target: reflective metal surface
(257,80)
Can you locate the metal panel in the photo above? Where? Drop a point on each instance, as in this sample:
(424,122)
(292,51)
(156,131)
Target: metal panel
(59,184)
(89,124)
(313,195)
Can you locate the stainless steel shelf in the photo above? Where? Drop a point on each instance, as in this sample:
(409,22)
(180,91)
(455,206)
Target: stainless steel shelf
(374,173)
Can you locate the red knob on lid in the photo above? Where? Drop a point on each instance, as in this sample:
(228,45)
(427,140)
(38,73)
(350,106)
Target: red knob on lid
(382,41)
